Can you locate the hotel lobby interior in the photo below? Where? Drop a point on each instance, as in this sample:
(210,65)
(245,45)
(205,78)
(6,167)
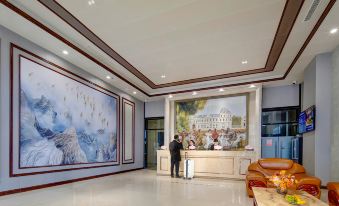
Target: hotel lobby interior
(169,102)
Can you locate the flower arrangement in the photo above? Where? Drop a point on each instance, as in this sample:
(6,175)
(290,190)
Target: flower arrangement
(283,181)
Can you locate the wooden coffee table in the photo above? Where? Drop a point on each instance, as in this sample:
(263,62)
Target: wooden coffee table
(269,197)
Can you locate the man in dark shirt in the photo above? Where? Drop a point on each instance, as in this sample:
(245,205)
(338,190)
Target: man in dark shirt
(175,147)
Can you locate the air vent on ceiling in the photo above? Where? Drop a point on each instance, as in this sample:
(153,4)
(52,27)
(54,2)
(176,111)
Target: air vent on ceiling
(312,9)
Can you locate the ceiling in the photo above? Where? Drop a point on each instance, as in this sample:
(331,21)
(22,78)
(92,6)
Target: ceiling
(195,44)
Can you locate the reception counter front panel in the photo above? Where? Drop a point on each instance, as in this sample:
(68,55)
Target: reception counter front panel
(217,164)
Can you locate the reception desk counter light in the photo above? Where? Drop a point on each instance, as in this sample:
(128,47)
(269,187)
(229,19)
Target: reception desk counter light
(213,164)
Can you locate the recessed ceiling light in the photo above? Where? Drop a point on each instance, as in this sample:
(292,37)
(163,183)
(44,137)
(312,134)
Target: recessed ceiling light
(252,86)
(108,77)
(91,2)
(134,92)
(221,90)
(65,52)
(163,76)
(170,96)
(194,93)
(334,30)
(244,62)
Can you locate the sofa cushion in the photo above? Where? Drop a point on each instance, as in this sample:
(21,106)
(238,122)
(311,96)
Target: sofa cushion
(276,164)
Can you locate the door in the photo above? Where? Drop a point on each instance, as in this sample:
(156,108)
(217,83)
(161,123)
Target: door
(285,147)
(269,147)
(154,139)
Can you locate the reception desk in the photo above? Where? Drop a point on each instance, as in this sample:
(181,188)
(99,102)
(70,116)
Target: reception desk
(213,164)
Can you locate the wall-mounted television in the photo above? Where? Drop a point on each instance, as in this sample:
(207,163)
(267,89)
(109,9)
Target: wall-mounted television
(307,120)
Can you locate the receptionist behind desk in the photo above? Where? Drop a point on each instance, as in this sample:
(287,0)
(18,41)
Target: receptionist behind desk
(191,145)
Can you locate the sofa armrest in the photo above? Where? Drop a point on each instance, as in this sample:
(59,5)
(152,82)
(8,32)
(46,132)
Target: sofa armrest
(309,184)
(334,186)
(333,193)
(254,179)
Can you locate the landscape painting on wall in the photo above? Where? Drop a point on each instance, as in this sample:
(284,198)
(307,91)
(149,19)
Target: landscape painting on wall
(213,123)
(64,121)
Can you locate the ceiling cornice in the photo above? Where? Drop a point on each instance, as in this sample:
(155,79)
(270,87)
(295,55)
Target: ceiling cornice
(51,32)
(286,23)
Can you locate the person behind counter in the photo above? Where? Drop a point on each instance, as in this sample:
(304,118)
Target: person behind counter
(175,147)
(191,145)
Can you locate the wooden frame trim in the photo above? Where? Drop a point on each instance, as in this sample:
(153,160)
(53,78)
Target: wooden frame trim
(244,94)
(289,15)
(132,104)
(107,92)
(306,42)
(38,187)
(65,41)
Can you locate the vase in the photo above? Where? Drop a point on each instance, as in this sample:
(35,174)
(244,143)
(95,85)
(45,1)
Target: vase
(280,191)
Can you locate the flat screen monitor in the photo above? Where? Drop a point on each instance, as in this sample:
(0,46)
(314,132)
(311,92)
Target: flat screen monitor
(307,120)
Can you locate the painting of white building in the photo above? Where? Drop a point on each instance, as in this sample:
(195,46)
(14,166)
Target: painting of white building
(222,120)
(214,121)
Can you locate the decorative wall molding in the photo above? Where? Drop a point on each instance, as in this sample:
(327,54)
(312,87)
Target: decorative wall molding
(127,103)
(60,70)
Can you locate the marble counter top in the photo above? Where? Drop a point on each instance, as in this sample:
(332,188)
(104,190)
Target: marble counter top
(269,197)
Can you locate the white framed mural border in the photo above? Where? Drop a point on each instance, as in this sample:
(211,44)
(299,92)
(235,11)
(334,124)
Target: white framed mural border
(72,141)
(199,118)
(128,130)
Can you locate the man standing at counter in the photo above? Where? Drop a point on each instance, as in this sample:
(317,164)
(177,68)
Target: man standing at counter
(175,147)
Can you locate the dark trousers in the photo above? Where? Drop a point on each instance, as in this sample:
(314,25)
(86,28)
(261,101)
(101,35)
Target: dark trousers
(175,163)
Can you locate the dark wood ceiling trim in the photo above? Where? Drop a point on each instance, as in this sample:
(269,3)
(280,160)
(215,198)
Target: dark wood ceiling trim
(72,21)
(314,30)
(56,35)
(287,20)
(310,36)
(302,49)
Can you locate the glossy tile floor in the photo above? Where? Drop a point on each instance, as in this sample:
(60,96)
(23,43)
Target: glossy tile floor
(139,188)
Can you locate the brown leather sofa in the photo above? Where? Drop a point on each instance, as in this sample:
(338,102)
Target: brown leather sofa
(333,193)
(260,170)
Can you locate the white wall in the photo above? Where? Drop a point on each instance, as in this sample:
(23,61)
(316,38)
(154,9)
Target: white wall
(323,117)
(335,117)
(317,91)
(309,100)
(155,108)
(7,183)
(280,96)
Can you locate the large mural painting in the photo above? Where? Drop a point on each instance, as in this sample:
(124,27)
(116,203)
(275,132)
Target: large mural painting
(64,121)
(209,123)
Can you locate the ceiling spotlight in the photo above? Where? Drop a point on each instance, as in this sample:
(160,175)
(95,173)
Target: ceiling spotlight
(194,93)
(170,96)
(134,92)
(221,90)
(333,31)
(91,2)
(108,77)
(252,86)
(163,76)
(65,52)
(244,62)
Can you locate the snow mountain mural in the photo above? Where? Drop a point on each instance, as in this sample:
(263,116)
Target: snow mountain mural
(62,121)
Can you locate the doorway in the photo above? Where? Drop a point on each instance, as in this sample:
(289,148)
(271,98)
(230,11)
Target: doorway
(154,139)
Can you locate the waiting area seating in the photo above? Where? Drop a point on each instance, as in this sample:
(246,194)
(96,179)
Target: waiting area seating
(263,168)
(333,193)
